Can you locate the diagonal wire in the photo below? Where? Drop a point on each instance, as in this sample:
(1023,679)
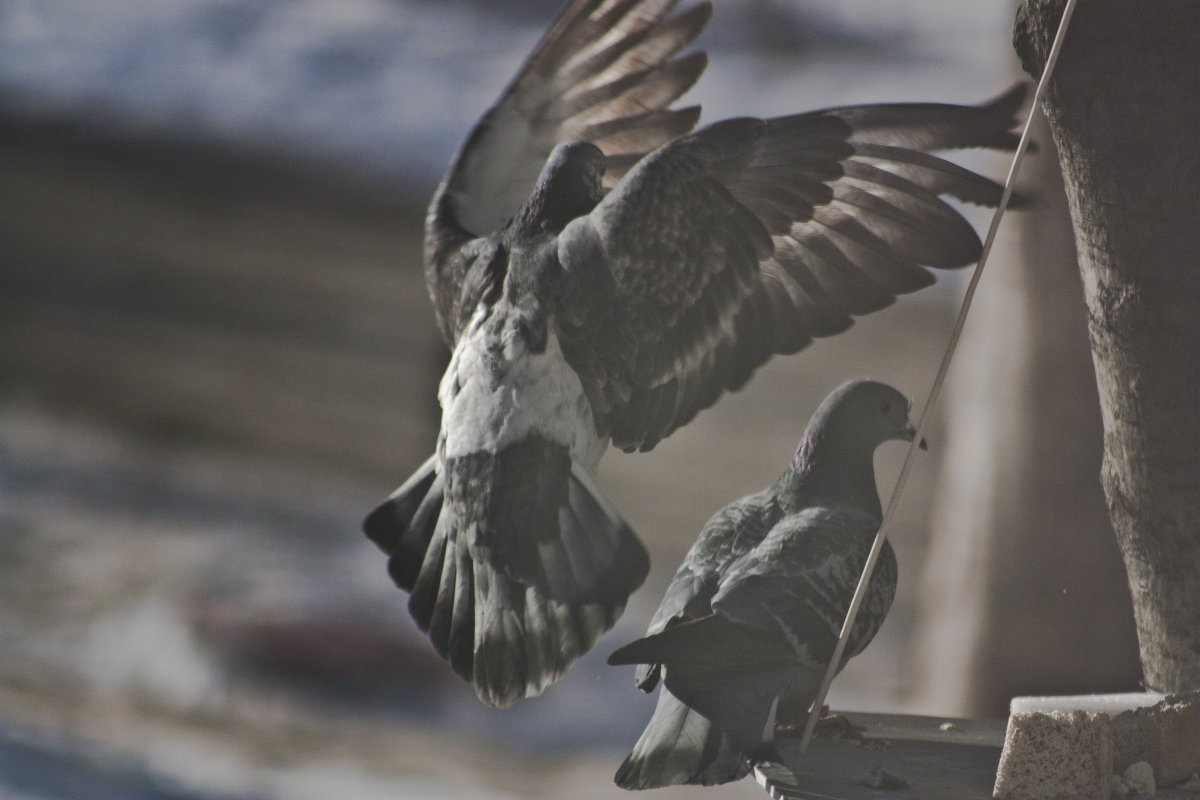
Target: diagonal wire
(881,536)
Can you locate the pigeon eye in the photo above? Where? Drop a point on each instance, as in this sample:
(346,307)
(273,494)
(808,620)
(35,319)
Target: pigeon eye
(885,407)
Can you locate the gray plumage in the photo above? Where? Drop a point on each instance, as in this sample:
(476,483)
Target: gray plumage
(601,275)
(747,627)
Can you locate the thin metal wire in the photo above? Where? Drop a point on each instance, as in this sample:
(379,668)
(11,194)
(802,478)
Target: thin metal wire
(881,536)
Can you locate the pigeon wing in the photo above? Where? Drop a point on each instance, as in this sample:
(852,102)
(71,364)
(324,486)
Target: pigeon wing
(723,647)
(605,72)
(796,587)
(730,533)
(750,237)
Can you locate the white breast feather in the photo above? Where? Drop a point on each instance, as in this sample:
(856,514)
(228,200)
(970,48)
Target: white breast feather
(538,394)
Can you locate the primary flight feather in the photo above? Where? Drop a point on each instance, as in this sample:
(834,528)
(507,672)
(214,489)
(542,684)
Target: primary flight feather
(601,274)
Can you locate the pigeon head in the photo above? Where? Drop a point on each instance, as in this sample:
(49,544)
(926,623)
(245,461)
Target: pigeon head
(864,411)
(834,463)
(569,187)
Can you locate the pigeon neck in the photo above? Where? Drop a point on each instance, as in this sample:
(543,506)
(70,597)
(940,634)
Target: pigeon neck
(840,475)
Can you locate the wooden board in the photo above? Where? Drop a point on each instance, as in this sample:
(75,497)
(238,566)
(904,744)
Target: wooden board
(897,757)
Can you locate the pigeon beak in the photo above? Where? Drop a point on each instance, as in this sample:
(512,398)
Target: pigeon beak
(911,433)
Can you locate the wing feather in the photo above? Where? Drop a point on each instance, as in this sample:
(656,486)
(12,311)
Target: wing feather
(796,586)
(750,237)
(605,72)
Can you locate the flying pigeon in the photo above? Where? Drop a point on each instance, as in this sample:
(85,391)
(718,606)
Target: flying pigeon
(747,627)
(601,274)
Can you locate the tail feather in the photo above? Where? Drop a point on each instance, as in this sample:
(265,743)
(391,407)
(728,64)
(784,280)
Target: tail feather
(424,591)
(526,641)
(528,632)
(730,674)
(537,660)
(510,591)
(436,615)
(403,525)
(440,600)
(461,639)
(679,746)
(499,655)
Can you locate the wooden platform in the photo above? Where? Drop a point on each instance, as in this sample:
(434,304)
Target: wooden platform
(899,757)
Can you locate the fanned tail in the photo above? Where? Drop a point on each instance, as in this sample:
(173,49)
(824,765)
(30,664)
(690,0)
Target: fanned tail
(513,584)
(679,746)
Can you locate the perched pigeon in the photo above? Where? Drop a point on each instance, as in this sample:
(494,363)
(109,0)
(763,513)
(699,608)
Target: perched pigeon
(746,629)
(601,275)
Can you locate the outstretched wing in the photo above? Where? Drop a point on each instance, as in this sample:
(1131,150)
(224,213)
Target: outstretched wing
(750,237)
(605,72)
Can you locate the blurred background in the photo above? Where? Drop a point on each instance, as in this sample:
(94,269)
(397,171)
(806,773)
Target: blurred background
(217,354)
